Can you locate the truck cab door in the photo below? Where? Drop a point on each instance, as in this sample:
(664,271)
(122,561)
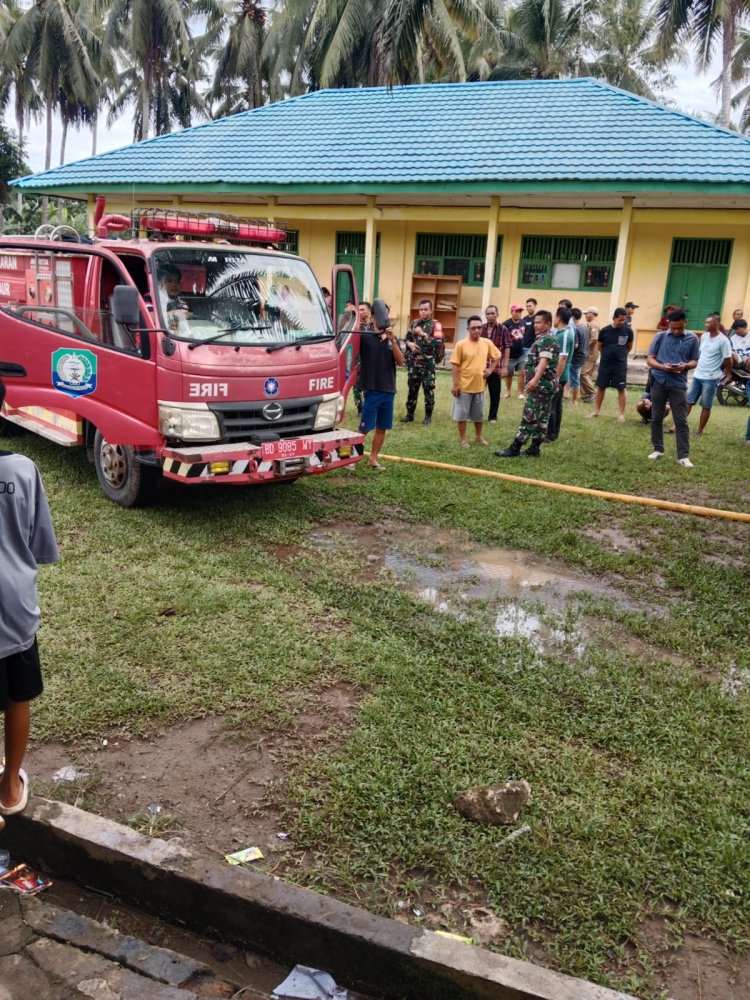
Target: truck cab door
(79,364)
(346,325)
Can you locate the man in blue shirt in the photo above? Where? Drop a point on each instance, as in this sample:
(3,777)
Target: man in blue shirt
(672,354)
(714,362)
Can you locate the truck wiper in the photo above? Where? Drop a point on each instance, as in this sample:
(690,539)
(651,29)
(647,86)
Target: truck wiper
(321,338)
(225,333)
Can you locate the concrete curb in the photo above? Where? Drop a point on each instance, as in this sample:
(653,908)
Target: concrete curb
(280,920)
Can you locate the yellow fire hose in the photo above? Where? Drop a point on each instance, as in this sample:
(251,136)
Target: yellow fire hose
(680,508)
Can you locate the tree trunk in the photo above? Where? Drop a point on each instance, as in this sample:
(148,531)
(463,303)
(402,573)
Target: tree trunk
(19,127)
(63,140)
(145,104)
(728,31)
(47,157)
(94,124)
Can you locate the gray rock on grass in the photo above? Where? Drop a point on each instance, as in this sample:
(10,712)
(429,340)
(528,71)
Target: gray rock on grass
(493,805)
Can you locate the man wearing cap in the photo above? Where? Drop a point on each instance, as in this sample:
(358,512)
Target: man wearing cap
(588,390)
(516,359)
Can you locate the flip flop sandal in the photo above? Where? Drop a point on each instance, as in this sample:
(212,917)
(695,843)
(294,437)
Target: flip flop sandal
(376,466)
(22,802)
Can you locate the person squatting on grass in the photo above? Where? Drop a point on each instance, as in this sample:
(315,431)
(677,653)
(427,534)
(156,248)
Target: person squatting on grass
(672,354)
(26,540)
(541,385)
(379,354)
(473,360)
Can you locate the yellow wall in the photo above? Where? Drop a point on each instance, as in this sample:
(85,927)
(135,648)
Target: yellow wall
(646,269)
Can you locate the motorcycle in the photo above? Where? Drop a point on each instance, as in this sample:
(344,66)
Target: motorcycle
(734,391)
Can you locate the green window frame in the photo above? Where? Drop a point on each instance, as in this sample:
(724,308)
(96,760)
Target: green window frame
(291,243)
(708,253)
(456,254)
(567,263)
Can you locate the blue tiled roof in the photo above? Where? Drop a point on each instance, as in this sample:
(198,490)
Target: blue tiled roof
(537,132)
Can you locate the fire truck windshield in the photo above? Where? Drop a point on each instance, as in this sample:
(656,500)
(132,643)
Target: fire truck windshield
(238,297)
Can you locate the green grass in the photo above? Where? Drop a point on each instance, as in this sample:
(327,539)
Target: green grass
(216,601)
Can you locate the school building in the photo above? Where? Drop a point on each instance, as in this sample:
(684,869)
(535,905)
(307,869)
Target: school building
(468,193)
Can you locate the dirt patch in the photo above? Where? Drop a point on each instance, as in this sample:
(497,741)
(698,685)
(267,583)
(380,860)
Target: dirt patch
(213,787)
(695,969)
(612,538)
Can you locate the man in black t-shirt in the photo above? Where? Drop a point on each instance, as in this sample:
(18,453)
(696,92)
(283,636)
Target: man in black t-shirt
(517,357)
(379,354)
(529,334)
(615,343)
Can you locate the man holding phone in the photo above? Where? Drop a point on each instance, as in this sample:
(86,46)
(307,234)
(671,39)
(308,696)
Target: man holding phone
(672,354)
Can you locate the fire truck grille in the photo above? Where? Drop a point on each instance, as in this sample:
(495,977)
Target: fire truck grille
(239,421)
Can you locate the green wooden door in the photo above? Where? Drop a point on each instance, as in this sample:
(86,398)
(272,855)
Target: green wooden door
(350,249)
(698,278)
(697,290)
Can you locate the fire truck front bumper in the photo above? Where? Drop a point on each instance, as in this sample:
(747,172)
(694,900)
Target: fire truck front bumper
(256,463)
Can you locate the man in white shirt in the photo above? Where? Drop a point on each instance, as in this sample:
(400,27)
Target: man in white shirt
(714,361)
(26,540)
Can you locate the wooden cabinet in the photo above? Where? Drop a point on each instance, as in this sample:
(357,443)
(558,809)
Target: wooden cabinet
(444,291)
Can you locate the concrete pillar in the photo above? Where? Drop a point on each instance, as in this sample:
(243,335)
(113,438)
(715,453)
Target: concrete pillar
(489,260)
(623,253)
(367,291)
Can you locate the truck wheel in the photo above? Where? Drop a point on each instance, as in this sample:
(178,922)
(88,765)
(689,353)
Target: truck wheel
(124,479)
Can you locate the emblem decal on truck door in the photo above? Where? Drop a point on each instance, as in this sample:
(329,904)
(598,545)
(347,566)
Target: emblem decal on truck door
(74,372)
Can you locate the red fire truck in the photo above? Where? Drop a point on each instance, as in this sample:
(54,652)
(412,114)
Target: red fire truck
(193,350)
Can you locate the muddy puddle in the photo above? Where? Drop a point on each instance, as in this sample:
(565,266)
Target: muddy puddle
(530,596)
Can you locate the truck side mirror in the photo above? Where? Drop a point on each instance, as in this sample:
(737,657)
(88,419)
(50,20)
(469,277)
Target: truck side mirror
(125,305)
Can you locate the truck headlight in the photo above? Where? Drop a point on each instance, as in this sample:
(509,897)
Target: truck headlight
(327,413)
(188,423)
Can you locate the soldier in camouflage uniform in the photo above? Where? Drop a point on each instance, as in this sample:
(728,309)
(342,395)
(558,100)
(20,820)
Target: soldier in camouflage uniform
(424,349)
(541,385)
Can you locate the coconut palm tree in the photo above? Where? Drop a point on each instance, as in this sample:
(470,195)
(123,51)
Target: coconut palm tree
(706,23)
(53,43)
(155,39)
(16,80)
(340,43)
(619,39)
(540,40)
(238,81)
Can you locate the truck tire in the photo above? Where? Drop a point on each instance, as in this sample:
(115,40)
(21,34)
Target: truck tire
(121,476)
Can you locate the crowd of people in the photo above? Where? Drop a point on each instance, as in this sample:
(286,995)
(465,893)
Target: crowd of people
(552,358)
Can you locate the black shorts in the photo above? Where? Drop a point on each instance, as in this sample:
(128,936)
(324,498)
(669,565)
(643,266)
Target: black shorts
(612,376)
(20,676)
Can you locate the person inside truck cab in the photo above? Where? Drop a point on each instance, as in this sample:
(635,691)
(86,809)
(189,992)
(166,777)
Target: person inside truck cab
(174,307)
